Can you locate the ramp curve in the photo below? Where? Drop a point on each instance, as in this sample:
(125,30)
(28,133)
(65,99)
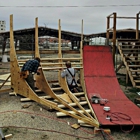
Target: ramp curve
(101,80)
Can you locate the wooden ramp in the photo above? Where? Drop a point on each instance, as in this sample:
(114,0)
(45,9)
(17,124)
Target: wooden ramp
(20,86)
(100,80)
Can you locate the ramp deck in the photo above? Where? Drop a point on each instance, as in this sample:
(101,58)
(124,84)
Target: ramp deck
(100,79)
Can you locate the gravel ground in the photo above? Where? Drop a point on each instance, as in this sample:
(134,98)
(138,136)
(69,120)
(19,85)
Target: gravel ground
(31,121)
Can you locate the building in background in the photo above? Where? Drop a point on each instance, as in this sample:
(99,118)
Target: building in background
(2,25)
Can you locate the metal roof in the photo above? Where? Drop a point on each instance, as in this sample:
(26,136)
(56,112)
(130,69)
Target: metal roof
(67,35)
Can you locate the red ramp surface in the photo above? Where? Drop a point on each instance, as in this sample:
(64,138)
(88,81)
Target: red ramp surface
(100,79)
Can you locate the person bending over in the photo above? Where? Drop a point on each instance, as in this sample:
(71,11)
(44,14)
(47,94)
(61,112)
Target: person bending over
(29,69)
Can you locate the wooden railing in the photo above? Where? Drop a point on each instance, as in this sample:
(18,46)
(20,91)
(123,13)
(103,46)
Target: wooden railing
(129,50)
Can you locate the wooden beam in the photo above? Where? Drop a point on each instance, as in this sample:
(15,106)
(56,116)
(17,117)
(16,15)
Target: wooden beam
(57,68)
(44,51)
(60,114)
(5,84)
(42,59)
(36,39)
(73,104)
(137,26)
(5,81)
(125,17)
(45,97)
(138,70)
(5,90)
(114,37)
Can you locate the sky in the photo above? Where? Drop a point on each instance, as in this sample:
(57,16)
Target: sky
(70,12)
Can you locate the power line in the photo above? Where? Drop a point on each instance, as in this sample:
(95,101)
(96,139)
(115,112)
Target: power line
(71,6)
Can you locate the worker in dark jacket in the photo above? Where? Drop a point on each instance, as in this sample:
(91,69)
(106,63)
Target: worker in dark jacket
(29,69)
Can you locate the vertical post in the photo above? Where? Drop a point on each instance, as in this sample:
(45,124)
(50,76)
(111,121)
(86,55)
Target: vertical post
(137,37)
(114,36)
(81,43)
(107,33)
(12,54)
(127,77)
(59,35)
(32,46)
(137,26)
(36,38)
(59,52)
(82,31)
(81,76)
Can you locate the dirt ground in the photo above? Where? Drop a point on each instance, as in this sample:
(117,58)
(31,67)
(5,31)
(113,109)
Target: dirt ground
(31,121)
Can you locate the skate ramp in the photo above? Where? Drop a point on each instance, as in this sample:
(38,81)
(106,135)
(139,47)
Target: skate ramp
(101,80)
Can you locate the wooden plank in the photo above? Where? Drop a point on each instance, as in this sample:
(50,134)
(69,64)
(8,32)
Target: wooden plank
(45,97)
(55,64)
(129,45)
(5,84)
(65,97)
(131,56)
(135,70)
(57,68)
(50,60)
(126,18)
(137,81)
(51,64)
(60,114)
(46,51)
(136,66)
(28,99)
(135,76)
(5,90)
(5,81)
(133,60)
(127,40)
(131,49)
(73,104)
(5,76)
(8,136)
(130,52)
(54,89)
(84,124)
(55,84)
(42,59)
(53,81)
(25,57)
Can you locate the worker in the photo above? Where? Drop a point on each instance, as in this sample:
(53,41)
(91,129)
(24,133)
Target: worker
(29,69)
(69,73)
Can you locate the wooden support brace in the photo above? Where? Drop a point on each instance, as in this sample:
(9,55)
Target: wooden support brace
(73,104)
(60,114)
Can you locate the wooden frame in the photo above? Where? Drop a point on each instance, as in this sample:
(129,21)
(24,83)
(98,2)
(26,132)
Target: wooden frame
(20,86)
(113,29)
(131,49)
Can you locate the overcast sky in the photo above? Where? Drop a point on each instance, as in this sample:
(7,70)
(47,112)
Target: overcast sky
(70,12)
